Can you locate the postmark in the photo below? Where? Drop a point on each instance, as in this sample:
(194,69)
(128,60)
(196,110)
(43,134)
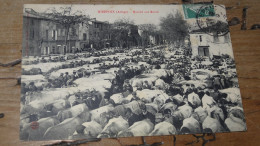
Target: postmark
(215,26)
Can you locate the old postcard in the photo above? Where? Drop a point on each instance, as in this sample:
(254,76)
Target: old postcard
(96,71)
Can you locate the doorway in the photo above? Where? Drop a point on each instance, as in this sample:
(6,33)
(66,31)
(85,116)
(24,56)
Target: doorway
(203,51)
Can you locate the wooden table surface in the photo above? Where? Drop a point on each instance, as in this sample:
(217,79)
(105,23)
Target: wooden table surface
(246,47)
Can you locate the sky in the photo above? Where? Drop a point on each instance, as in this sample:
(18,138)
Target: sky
(110,13)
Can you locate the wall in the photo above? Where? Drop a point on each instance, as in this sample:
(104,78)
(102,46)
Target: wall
(217,46)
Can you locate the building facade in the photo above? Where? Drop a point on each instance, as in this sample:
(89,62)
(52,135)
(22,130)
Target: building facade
(99,35)
(43,36)
(204,44)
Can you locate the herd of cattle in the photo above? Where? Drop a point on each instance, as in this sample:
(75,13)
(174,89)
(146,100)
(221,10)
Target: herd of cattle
(135,92)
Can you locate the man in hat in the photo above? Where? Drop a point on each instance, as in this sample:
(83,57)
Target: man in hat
(146,85)
(117,77)
(75,75)
(146,114)
(168,116)
(114,87)
(194,89)
(127,88)
(61,79)
(188,89)
(134,97)
(217,82)
(43,60)
(66,78)
(32,87)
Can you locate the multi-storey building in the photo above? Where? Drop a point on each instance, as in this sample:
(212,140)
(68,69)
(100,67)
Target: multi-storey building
(43,36)
(99,34)
(204,44)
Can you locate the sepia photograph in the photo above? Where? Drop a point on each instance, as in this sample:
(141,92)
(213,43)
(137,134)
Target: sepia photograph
(108,71)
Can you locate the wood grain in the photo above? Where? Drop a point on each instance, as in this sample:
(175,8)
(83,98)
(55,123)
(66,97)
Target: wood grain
(246,46)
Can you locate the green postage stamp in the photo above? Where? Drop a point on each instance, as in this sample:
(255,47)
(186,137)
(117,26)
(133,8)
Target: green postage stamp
(198,10)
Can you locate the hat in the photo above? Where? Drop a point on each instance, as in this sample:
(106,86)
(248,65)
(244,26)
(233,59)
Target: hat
(167,111)
(134,93)
(142,106)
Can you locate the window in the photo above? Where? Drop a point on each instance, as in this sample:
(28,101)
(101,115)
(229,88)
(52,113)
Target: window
(32,34)
(32,22)
(46,51)
(200,38)
(84,36)
(63,32)
(53,50)
(54,35)
(203,51)
(47,34)
(72,31)
(216,39)
(59,32)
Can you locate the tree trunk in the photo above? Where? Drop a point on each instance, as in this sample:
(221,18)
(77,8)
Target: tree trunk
(66,38)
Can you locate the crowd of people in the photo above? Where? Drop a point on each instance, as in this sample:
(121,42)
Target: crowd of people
(154,87)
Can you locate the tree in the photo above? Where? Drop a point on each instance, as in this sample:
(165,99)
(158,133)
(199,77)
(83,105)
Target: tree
(147,30)
(66,18)
(124,33)
(174,28)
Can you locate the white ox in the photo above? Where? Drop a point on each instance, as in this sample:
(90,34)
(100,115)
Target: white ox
(140,128)
(63,130)
(28,133)
(160,84)
(194,100)
(48,96)
(72,112)
(148,95)
(96,114)
(114,126)
(138,82)
(208,102)
(118,98)
(163,128)
(233,95)
(92,129)
(190,124)
(38,80)
(159,73)
(134,106)
(236,119)
(212,124)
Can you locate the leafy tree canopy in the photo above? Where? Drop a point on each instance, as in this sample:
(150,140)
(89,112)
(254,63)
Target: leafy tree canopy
(174,27)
